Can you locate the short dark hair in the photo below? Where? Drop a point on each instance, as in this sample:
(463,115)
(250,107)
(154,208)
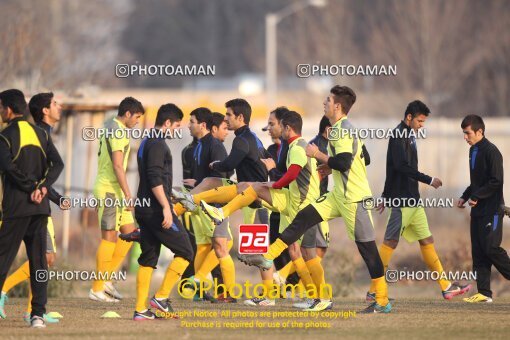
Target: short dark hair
(216,120)
(294,120)
(279,112)
(130,104)
(37,103)
(15,99)
(416,108)
(475,121)
(168,111)
(345,96)
(240,107)
(203,115)
(323,124)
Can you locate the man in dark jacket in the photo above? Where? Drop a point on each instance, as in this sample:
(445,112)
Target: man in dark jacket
(46,112)
(407,216)
(485,197)
(159,224)
(30,164)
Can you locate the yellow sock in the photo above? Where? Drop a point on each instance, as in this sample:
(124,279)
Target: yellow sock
(288,269)
(317,273)
(381,291)
(202,251)
(385,253)
(173,273)
(269,287)
(179,209)
(242,200)
(186,220)
(21,274)
(275,249)
(303,273)
(210,261)
(121,250)
(228,272)
(103,262)
(29,306)
(301,289)
(433,263)
(143,283)
(217,195)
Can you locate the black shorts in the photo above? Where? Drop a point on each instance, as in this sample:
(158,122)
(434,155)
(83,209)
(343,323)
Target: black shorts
(153,235)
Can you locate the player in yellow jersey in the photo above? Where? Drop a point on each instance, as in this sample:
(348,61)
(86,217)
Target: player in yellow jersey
(346,160)
(111,185)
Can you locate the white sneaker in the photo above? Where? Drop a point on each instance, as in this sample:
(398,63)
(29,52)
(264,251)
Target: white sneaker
(37,322)
(320,305)
(259,302)
(110,289)
(306,303)
(101,297)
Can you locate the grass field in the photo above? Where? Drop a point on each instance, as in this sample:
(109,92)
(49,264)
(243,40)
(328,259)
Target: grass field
(411,318)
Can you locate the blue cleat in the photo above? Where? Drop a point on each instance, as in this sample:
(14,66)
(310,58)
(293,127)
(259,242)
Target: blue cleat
(376,308)
(3,300)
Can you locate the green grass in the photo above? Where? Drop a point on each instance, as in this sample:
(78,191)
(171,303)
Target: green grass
(411,318)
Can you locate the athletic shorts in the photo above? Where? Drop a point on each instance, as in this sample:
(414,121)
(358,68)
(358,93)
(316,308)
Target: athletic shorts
(255,216)
(282,203)
(358,220)
(112,218)
(411,223)
(51,246)
(152,236)
(285,221)
(205,229)
(317,236)
(288,209)
(226,181)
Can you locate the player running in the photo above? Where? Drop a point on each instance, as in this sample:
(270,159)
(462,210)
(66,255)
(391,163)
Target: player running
(347,162)
(401,186)
(111,183)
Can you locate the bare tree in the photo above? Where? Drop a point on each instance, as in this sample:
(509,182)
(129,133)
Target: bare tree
(58,43)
